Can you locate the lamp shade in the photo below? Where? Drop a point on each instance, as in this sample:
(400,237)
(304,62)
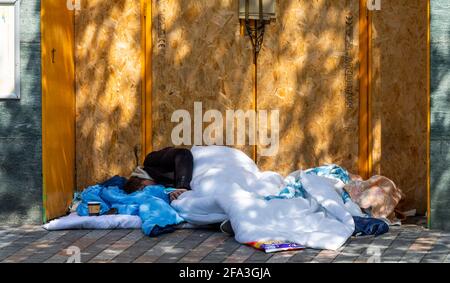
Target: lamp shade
(269,9)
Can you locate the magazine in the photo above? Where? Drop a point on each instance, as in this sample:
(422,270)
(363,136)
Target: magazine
(273,247)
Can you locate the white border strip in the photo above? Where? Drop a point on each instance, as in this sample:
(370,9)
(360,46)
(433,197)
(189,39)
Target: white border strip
(16,3)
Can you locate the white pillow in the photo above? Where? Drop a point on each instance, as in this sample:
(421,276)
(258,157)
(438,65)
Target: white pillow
(105,222)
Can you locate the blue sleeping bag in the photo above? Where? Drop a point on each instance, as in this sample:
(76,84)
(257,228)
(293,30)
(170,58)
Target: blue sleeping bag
(152,204)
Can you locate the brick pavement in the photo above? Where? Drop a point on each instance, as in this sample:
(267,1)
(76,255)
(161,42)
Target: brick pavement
(409,243)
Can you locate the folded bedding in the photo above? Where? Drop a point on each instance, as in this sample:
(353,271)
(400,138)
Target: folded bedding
(227,185)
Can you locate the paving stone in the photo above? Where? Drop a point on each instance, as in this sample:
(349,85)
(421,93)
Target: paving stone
(44,242)
(222,252)
(418,250)
(185,246)
(137,250)
(7,234)
(259,257)
(391,253)
(9,238)
(362,259)
(102,243)
(164,246)
(440,250)
(408,243)
(20,229)
(241,254)
(283,257)
(377,247)
(44,253)
(117,248)
(80,243)
(437,254)
(434,258)
(21,243)
(355,248)
(399,247)
(412,258)
(197,254)
(325,257)
(305,256)
(90,238)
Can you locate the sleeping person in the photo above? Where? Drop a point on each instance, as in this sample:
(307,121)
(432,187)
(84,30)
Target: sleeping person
(170,167)
(148,193)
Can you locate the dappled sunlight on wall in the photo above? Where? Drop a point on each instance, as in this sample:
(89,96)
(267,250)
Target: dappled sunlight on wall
(108,88)
(308,69)
(302,73)
(198,56)
(399,97)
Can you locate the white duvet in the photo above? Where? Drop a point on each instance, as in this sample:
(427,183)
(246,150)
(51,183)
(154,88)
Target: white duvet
(227,184)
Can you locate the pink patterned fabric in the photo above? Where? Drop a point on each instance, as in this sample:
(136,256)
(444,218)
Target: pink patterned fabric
(379,194)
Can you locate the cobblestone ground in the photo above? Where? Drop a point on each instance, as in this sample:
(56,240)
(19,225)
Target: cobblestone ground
(411,243)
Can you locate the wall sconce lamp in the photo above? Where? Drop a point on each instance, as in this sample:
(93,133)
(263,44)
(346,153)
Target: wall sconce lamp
(254,16)
(374,5)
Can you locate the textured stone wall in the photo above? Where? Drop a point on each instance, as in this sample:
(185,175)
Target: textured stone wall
(440,114)
(20,131)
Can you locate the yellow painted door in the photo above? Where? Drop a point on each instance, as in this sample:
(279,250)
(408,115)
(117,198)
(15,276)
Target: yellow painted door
(58,107)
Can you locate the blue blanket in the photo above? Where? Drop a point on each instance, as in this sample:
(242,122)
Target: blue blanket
(152,204)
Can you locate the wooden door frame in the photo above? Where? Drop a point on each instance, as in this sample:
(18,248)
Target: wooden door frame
(365,75)
(365,152)
(146,78)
